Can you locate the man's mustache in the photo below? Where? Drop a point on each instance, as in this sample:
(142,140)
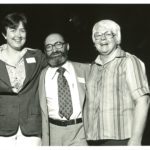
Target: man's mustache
(54,53)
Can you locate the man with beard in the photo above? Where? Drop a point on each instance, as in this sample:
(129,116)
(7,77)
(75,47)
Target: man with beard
(62,95)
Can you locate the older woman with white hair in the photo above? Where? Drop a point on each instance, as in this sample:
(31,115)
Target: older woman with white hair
(117,91)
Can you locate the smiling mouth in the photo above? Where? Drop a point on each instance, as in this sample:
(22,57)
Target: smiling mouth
(56,54)
(105,44)
(18,41)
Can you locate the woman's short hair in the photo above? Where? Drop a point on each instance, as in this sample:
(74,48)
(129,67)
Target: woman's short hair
(12,20)
(111,26)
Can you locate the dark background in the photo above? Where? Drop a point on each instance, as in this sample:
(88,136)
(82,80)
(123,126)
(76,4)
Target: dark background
(77,20)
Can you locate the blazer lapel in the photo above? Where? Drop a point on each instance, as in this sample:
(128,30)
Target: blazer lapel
(29,67)
(81,86)
(4,74)
(81,93)
(42,93)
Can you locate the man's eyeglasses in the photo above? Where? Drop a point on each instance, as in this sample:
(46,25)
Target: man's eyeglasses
(58,45)
(107,35)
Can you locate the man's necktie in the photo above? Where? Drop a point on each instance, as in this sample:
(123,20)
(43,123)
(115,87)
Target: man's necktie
(64,95)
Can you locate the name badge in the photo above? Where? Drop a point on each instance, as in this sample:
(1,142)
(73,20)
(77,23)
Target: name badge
(81,80)
(31,60)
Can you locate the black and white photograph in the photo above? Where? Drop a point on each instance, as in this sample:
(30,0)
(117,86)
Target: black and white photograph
(74,74)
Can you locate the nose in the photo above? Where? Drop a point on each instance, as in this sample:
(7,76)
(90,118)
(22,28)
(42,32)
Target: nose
(18,33)
(103,37)
(54,48)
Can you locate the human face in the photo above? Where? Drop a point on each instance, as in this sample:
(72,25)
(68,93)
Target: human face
(56,50)
(105,41)
(16,38)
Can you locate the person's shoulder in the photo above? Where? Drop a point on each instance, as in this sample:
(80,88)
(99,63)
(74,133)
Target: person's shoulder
(133,58)
(34,51)
(81,67)
(45,69)
(80,64)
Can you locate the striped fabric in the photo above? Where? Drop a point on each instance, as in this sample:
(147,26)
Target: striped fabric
(112,90)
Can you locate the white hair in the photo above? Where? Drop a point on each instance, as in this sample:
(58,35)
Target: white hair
(111,26)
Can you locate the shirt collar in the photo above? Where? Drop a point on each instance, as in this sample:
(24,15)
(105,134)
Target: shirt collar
(54,70)
(117,54)
(22,52)
(4,47)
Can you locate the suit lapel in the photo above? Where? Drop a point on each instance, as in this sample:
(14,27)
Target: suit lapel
(81,86)
(4,74)
(81,93)
(42,93)
(29,67)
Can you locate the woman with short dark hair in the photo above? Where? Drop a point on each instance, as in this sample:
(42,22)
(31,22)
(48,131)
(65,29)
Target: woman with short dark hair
(20,118)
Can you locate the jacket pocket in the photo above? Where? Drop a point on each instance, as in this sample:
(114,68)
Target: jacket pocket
(35,111)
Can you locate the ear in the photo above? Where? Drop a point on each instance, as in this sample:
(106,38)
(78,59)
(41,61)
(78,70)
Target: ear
(68,46)
(4,36)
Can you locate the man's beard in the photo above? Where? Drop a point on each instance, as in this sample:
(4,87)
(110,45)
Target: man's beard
(58,60)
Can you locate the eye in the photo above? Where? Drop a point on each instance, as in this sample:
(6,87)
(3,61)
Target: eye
(58,44)
(23,30)
(108,35)
(97,36)
(12,30)
(48,47)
